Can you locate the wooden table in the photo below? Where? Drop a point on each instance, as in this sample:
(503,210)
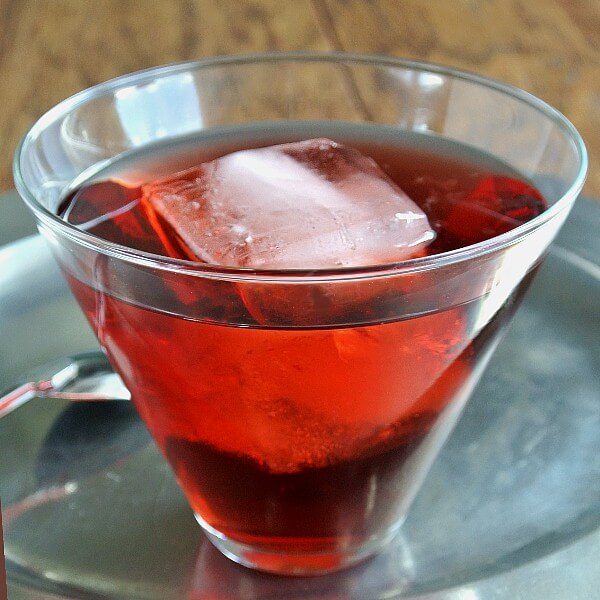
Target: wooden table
(50,49)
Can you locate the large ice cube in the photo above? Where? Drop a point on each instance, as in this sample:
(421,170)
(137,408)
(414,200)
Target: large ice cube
(305,205)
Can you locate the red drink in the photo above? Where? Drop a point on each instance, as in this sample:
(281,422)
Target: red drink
(300,419)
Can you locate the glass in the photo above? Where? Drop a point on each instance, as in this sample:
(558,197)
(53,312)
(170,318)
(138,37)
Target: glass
(301,446)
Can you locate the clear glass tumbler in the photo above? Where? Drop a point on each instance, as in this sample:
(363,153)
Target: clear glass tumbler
(299,410)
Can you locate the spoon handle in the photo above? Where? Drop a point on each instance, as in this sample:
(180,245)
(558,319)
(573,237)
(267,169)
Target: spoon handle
(28,391)
(91,367)
(17,397)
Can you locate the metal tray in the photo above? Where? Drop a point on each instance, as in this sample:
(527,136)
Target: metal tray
(511,509)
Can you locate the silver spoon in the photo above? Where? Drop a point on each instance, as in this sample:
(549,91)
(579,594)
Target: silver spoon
(80,378)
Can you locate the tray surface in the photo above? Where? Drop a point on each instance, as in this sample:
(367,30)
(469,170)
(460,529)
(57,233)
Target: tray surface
(511,508)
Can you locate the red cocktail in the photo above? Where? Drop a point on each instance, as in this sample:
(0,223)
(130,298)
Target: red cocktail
(299,435)
(299,393)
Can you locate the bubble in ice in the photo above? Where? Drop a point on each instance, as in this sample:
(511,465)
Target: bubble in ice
(304,205)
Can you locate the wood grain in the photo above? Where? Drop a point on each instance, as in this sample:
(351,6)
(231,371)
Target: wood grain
(550,48)
(50,49)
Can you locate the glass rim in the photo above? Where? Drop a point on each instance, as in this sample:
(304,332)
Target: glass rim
(188,267)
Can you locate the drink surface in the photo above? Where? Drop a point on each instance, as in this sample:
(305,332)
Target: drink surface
(468,196)
(299,437)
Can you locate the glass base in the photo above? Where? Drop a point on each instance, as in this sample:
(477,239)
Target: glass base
(307,562)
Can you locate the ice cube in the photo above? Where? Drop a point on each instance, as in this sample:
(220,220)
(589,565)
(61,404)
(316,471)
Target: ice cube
(304,205)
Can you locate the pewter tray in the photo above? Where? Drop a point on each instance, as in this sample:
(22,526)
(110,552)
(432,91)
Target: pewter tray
(511,508)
